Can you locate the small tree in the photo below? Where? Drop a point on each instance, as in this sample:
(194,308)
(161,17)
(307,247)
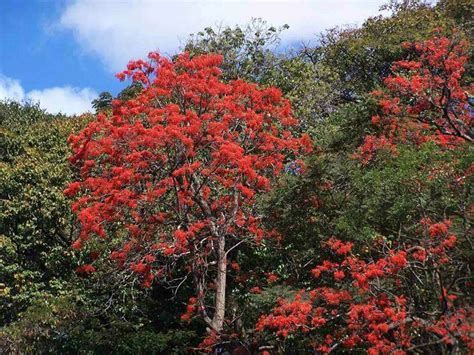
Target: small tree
(103,102)
(169,181)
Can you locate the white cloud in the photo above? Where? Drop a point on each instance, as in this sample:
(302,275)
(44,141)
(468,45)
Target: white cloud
(11,89)
(117,31)
(67,100)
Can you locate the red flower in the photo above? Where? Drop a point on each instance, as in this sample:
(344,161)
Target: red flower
(271,278)
(85,269)
(255,290)
(72,189)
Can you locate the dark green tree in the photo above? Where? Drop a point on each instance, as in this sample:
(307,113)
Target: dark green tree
(103,102)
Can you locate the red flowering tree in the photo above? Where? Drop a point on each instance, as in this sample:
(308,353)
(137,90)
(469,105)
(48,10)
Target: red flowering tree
(409,297)
(424,99)
(169,180)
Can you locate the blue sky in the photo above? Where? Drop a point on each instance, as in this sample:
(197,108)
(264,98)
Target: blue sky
(63,53)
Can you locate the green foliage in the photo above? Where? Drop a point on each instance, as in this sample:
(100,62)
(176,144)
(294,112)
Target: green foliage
(130,92)
(35,222)
(387,198)
(394,194)
(57,325)
(247,50)
(311,87)
(362,56)
(462,11)
(103,102)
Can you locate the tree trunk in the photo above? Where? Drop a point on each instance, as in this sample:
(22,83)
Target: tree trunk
(218,319)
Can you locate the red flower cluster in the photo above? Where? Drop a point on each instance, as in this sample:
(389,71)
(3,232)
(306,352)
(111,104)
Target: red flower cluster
(208,342)
(288,317)
(424,100)
(191,309)
(374,305)
(85,269)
